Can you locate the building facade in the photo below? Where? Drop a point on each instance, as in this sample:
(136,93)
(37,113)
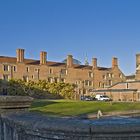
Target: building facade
(84,76)
(128,90)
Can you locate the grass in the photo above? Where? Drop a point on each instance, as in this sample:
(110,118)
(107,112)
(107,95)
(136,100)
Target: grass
(77,108)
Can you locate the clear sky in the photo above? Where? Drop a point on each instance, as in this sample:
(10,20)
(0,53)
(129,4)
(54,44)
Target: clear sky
(96,28)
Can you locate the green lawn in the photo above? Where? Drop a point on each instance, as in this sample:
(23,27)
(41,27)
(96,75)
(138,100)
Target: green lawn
(77,108)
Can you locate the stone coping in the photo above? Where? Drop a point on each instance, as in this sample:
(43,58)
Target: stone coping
(37,122)
(33,126)
(13,102)
(130,113)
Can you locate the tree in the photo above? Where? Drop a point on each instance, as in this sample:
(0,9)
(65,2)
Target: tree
(41,88)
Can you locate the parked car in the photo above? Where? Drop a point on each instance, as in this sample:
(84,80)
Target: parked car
(100,97)
(87,98)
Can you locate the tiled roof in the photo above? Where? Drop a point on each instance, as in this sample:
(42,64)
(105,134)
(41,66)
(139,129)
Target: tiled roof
(6,59)
(90,67)
(130,77)
(49,63)
(82,67)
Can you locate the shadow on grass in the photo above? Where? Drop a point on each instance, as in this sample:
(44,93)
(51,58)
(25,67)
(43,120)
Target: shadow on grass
(39,104)
(42,103)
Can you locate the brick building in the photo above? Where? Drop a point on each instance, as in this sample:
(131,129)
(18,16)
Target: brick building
(84,76)
(128,90)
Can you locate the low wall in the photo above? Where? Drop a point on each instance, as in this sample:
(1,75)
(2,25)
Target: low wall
(31,126)
(16,123)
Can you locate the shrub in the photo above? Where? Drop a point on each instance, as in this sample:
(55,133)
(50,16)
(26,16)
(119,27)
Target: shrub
(41,89)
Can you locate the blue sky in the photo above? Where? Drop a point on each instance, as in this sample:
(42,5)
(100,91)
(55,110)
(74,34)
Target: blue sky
(96,28)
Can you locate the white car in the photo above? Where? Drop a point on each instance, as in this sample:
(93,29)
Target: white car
(102,97)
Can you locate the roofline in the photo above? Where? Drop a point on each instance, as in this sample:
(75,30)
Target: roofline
(112,90)
(137,81)
(76,65)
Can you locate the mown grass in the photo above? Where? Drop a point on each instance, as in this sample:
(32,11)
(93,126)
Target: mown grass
(77,108)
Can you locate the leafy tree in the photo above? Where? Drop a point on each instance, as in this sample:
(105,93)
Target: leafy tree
(41,88)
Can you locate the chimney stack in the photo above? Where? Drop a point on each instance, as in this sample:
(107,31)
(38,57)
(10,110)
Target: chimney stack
(43,58)
(114,62)
(20,55)
(94,63)
(69,61)
(137,60)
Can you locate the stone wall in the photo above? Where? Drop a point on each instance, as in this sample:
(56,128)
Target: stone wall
(31,126)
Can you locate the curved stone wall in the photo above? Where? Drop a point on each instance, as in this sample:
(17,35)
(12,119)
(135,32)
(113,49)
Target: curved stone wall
(31,126)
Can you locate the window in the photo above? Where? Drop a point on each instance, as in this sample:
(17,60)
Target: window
(110,83)
(63,80)
(121,76)
(63,72)
(50,80)
(14,68)
(55,80)
(127,86)
(26,78)
(109,75)
(112,75)
(90,83)
(86,82)
(79,82)
(6,77)
(100,84)
(36,70)
(27,69)
(90,74)
(50,71)
(104,77)
(6,68)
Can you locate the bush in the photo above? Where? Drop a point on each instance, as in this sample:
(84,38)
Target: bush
(41,89)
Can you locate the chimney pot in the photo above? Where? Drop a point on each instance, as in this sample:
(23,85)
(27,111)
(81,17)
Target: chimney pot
(20,55)
(94,63)
(69,61)
(43,57)
(114,62)
(137,60)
